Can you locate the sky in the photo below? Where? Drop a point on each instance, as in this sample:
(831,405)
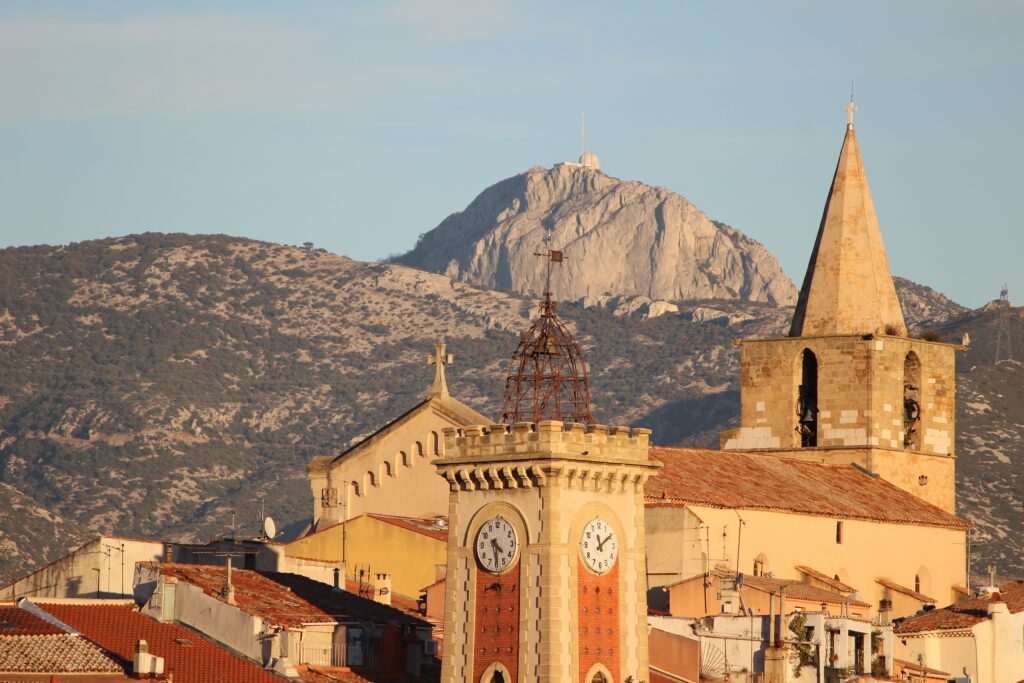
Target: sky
(360,125)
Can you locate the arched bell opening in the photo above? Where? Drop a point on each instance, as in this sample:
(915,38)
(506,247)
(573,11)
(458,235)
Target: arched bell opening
(807,400)
(912,402)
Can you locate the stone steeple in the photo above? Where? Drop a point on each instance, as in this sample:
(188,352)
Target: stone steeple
(848,288)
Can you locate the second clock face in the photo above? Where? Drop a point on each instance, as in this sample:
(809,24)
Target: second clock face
(599,546)
(496,544)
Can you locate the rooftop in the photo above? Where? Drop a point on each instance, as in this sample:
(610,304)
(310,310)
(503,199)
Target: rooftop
(749,481)
(436,528)
(965,613)
(907,591)
(835,583)
(53,654)
(800,591)
(288,600)
(117,628)
(15,621)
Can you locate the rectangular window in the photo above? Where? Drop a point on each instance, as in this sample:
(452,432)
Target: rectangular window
(839,532)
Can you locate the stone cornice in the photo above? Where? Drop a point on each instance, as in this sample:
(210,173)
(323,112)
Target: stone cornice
(596,477)
(550,453)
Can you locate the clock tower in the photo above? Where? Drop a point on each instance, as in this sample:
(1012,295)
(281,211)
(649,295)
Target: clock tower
(546,572)
(546,558)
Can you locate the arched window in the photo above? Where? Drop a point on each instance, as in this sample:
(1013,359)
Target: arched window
(355,488)
(385,470)
(760,564)
(419,449)
(839,532)
(807,400)
(435,443)
(497,677)
(371,479)
(917,583)
(404,457)
(912,402)
(599,678)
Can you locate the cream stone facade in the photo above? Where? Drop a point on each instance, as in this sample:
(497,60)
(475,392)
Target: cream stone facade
(849,385)
(390,471)
(548,480)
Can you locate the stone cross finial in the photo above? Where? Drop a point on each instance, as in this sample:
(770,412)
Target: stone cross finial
(850,108)
(992,575)
(439,360)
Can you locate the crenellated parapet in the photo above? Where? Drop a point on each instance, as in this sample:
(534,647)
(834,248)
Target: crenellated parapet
(547,438)
(595,458)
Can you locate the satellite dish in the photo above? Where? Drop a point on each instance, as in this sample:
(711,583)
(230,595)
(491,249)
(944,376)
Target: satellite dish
(269,528)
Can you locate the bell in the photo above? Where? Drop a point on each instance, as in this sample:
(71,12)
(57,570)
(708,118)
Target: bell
(808,416)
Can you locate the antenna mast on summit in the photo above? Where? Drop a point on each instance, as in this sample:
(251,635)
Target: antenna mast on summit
(1003,336)
(583,133)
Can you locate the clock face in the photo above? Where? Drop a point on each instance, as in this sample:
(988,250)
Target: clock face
(496,545)
(599,546)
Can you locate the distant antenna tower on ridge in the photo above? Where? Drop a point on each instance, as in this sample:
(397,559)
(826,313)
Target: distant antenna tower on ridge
(587,159)
(1003,337)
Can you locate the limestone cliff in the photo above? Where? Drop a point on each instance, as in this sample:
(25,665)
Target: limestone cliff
(621,238)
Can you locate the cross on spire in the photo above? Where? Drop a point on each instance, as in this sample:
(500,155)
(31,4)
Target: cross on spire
(552,256)
(439,360)
(850,108)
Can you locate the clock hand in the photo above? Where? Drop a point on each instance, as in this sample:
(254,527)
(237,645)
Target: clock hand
(497,550)
(600,543)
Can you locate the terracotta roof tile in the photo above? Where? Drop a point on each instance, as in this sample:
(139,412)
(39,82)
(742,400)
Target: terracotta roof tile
(15,621)
(907,591)
(756,481)
(427,527)
(825,578)
(800,591)
(287,599)
(53,654)
(116,628)
(965,613)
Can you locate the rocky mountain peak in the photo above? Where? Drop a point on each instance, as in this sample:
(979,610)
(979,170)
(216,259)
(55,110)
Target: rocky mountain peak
(621,238)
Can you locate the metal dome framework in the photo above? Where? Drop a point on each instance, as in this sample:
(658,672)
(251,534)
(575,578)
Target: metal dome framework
(547,376)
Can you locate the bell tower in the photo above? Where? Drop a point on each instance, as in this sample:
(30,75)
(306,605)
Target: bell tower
(849,385)
(547,575)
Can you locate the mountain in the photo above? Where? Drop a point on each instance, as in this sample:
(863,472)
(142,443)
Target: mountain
(620,237)
(151,384)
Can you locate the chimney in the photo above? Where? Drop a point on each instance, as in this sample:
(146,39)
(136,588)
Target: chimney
(339,578)
(145,664)
(382,588)
(229,588)
(168,553)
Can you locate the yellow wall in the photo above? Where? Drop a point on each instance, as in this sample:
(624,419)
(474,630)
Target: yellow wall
(410,557)
(870,550)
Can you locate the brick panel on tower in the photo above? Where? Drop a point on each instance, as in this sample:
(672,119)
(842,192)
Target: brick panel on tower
(599,637)
(497,622)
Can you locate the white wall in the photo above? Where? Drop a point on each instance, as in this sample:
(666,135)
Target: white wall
(105,565)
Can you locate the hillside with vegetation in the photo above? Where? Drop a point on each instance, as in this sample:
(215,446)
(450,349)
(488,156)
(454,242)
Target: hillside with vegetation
(151,384)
